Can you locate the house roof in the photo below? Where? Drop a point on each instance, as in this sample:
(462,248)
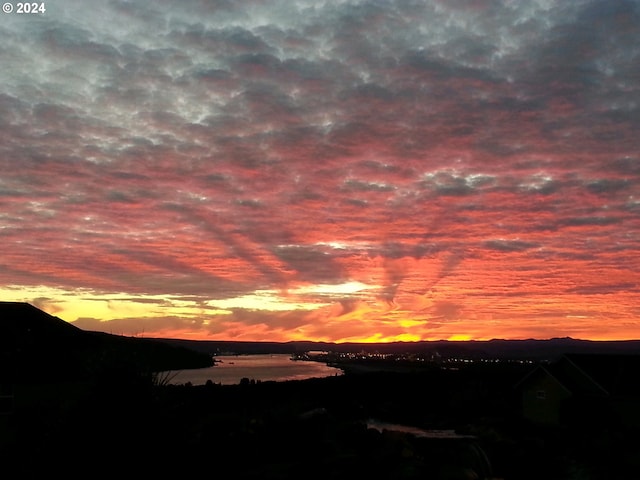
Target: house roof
(538,372)
(616,374)
(593,374)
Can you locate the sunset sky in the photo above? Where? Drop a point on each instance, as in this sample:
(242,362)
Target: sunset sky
(324,170)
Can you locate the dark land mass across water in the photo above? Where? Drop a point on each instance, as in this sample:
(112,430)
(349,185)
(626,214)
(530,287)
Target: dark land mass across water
(531,349)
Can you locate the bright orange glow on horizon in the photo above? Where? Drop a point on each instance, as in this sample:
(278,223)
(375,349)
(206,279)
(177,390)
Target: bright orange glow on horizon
(372,321)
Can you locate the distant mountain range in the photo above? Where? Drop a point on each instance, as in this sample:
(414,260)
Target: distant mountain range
(32,342)
(531,349)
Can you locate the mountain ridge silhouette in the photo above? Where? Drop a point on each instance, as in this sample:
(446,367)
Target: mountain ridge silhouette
(33,342)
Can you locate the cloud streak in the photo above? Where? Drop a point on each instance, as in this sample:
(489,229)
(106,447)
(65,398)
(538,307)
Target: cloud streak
(338,171)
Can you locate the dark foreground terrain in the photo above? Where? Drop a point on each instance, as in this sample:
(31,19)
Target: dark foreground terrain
(317,428)
(82,404)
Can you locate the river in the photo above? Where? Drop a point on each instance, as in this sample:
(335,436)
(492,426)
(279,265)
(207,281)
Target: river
(230,369)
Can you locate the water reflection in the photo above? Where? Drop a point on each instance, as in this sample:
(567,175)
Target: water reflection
(417,432)
(230,369)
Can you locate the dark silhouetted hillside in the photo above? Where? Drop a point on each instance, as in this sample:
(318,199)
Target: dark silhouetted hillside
(32,342)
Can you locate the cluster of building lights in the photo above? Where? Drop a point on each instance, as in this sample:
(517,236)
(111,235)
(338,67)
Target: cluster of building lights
(432,357)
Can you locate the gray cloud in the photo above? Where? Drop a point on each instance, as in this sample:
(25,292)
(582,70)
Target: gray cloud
(503,245)
(209,148)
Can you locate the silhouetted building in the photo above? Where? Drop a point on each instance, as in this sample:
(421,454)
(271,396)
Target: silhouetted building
(583,388)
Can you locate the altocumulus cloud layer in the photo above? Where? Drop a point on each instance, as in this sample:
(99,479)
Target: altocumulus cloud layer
(339,170)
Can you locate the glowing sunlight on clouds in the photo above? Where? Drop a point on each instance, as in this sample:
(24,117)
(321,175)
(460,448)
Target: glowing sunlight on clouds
(339,171)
